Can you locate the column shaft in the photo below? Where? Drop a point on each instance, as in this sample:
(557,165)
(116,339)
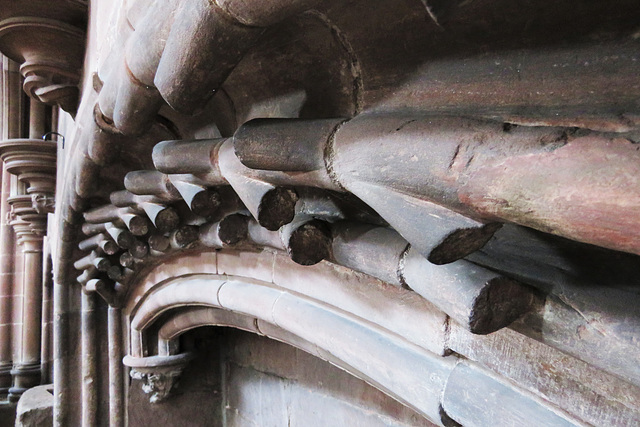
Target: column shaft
(89,360)
(11,119)
(61,354)
(47,308)
(26,370)
(12,98)
(36,119)
(116,369)
(6,288)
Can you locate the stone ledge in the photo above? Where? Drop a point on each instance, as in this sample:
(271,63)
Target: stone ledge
(35,408)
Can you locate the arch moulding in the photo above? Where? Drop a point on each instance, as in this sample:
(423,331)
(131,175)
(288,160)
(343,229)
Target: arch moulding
(400,338)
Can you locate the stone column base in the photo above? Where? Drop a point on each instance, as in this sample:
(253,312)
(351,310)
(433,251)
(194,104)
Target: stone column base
(24,377)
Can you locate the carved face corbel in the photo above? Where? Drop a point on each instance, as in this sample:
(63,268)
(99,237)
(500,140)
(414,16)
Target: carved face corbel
(11,215)
(43,203)
(159,374)
(159,383)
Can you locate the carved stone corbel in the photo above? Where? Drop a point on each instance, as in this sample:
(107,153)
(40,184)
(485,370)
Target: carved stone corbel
(50,52)
(51,85)
(43,203)
(158,384)
(159,374)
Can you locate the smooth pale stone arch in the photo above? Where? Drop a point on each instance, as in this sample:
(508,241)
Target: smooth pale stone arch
(191,318)
(195,317)
(197,290)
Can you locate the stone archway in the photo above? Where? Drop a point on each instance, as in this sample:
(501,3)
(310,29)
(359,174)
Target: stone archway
(362,331)
(294,313)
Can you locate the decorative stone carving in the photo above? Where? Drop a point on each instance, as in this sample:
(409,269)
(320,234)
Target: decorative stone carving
(25,219)
(33,161)
(159,374)
(43,203)
(159,383)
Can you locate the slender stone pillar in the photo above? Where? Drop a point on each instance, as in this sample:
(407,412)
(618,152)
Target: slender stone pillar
(47,299)
(11,119)
(16,300)
(12,98)
(37,112)
(26,370)
(89,360)
(6,288)
(116,369)
(61,398)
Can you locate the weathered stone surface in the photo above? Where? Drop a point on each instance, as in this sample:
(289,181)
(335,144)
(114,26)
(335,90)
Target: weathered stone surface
(273,383)
(571,384)
(486,400)
(435,120)
(35,408)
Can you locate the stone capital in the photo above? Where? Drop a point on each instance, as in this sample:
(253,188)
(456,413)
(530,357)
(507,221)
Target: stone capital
(27,223)
(33,161)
